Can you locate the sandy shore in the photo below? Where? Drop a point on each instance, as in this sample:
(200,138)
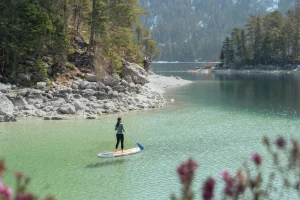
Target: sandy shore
(160,83)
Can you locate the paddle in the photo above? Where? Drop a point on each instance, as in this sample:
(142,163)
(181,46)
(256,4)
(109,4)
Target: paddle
(139,145)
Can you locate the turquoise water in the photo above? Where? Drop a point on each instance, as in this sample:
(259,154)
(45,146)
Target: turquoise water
(217,120)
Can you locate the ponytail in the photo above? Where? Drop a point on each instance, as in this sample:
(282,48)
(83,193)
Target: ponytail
(118,122)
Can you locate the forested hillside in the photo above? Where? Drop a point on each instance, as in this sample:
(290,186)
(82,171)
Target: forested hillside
(41,39)
(195,29)
(273,39)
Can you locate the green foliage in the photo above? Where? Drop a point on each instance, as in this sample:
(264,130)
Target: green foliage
(32,30)
(271,39)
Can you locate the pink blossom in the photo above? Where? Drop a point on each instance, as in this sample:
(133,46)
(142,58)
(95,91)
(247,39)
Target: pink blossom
(1,183)
(186,171)
(234,185)
(256,158)
(225,174)
(6,192)
(208,189)
(280,142)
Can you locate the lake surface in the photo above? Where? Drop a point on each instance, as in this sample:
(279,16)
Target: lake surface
(218,120)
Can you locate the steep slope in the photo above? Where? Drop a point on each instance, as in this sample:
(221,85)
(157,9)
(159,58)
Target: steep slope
(195,29)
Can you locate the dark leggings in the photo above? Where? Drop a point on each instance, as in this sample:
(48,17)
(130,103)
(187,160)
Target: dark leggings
(120,137)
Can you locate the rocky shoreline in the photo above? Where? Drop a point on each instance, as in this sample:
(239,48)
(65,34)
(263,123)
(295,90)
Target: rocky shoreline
(273,69)
(89,98)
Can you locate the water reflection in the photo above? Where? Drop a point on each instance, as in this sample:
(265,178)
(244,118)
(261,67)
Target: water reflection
(276,94)
(272,92)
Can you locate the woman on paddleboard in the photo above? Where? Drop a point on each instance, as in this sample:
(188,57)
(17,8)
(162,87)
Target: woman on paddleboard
(120,137)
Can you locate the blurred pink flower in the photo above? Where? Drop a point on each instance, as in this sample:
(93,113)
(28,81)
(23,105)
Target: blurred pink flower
(186,171)
(208,189)
(280,142)
(1,183)
(234,185)
(6,192)
(256,158)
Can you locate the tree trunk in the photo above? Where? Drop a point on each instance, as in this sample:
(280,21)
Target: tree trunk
(66,14)
(92,34)
(147,65)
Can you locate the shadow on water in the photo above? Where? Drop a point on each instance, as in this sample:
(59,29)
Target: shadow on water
(107,163)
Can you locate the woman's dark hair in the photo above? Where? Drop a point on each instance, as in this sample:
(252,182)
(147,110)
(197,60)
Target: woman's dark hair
(118,122)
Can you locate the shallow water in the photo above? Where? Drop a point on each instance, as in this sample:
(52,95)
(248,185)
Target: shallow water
(218,121)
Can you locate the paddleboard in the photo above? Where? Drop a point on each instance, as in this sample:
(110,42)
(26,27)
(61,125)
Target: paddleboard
(119,153)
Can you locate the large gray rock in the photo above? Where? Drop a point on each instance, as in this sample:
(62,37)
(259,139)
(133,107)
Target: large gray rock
(119,88)
(57,102)
(6,106)
(87,93)
(109,106)
(78,105)
(101,86)
(112,80)
(136,72)
(93,86)
(67,109)
(101,95)
(128,79)
(24,92)
(5,88)
(91,77)
(19,101)
(35,96)
(41,85)
(84,84)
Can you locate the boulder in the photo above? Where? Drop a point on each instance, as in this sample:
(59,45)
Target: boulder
(93,86)
(91,77)
(67,109)
(112,80)
(41,85)
(78,105)
(9,118)
(136,72)
(101,86)
(6,106)
(93,98)
(35,96)
(24,92)
(84,84)
(19,101)
(109,106)
(119,88)
(80,112)
(5,88)
(128,79)
(48,109)
(101,95)
(87,93)
(57,102)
